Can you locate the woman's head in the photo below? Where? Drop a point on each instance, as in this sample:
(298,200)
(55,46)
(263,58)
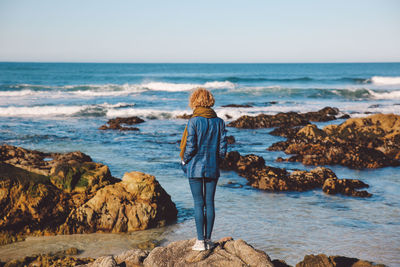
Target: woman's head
(201,97)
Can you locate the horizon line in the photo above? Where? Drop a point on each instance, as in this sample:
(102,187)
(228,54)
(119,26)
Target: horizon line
(117,62)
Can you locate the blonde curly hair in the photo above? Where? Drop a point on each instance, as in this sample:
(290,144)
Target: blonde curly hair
(201,97)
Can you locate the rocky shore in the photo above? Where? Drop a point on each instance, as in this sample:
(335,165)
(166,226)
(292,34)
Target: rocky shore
(227,252)
(369,142)
(66,193)
(260,176)
(286,119)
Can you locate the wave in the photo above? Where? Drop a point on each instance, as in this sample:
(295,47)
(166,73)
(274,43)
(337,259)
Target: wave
(384,95)
(107,89)
(380,80)
(176,87)
(299,79)
(96,110)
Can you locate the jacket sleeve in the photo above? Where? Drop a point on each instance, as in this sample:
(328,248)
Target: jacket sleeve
(191,143)
(223,142)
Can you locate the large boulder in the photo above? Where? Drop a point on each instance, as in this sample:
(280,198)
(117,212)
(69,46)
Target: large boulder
(230,253)
(30,204)
(54,193)
(370,142)
(71,172)
(260,176)
(137,202)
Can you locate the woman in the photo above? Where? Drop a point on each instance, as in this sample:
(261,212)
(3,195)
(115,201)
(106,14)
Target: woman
(203,145)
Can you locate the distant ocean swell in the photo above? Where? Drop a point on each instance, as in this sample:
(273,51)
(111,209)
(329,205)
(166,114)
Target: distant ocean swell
(373,80)
(26,90)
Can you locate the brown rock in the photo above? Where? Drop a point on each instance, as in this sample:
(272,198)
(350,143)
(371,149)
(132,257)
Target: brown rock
(237,106)
(131,258)
(230,139)
(322,260)
(289,119)
(49,259)
(230,253)
(103,261)
(370,142)
(75,195)
(30,204)
(116,124)
(268,121)
(345,187)
(137,202)
(268,178)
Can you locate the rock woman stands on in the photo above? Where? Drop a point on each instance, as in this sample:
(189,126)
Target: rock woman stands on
(203,146)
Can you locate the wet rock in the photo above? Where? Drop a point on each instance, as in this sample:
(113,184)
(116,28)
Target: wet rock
(285,131)
(230,139)
(370,142)
(346,187)
(288,119)
(30,204)
(260,176)
(184,116)
(72,172)
(226,253)
(321,260)
(237,106)
(49,259)
(37,161)
(268,121)
(116,124)
(138,202)
(74,196)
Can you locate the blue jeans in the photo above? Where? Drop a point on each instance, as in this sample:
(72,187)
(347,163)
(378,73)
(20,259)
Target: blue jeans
(203,191)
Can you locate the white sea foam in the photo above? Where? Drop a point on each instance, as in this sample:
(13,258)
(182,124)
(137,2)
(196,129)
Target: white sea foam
(128,109)
(93,90)
(17,93)
(384,95)
(61,110)
(380,80)
(39,111)
(176,87)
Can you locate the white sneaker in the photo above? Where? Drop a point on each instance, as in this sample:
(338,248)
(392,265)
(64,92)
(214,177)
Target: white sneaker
(209,244)
(199,245)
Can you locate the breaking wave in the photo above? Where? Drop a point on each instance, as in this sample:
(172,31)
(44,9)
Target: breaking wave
(379,80)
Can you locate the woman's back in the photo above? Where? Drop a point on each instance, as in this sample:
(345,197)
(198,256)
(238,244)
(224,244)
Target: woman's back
(206,137)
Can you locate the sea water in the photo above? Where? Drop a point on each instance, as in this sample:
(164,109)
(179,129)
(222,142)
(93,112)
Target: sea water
(58,107)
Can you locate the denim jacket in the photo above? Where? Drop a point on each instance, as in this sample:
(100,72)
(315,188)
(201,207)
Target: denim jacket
(205,147)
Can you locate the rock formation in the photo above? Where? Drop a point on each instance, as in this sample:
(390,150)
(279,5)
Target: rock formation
(370,142)
(288,119)
(138,202)
(116,124)
(226,253)
(229,253)
(52,193)
(268,178)
(60,258)
(321,260)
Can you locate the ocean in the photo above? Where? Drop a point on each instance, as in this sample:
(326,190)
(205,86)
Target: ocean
(59,107)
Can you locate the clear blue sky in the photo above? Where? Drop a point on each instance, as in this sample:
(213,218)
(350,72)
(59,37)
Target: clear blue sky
(200,31)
